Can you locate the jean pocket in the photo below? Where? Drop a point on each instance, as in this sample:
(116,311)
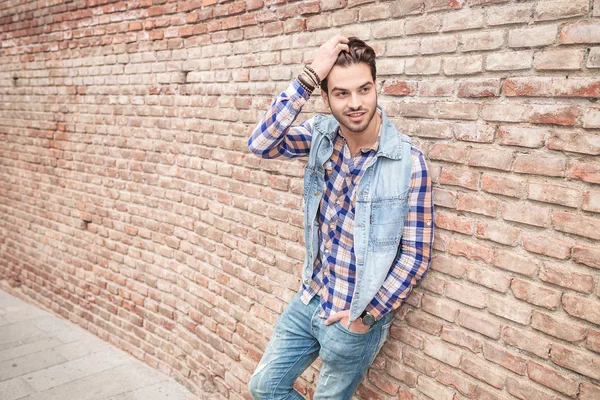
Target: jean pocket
(342,328)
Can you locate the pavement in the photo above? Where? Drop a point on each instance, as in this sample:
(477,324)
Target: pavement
(43,357)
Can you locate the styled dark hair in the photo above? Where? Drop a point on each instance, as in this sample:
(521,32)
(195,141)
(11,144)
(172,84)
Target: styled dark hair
(359,52)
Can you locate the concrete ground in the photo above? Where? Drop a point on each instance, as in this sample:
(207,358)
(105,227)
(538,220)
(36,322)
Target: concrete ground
(45,358)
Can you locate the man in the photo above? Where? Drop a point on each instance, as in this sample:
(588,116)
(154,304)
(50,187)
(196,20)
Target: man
(367,218)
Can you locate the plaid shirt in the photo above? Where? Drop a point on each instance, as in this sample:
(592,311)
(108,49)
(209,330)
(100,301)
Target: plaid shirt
(334,272)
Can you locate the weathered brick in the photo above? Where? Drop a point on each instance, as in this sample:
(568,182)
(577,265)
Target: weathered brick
(587,255)
(448,152)
(560,59)
(581,32)
(561,329)
(476,298)
(474,133)
(466,19)
(479,204)
(594,58)
(458,177)
(450,379)
(504,358)
(526,341)
(497,232)
(532,37)
(482,371)
(535,294)
(553,10)
(478,323)
(587,172)
(555,194)
(479,88)
(442,352)
(582,362)
(439,44)
(508,260)
(506,186)
(526,213)
(561,275)
(589,391)
(523,390)
(491,158)
(508,309)
(576,224)
(531,164)
(461,338)
(550,247)
(424,24)
(511,14)
(582,307)
(465,65)
(469,250)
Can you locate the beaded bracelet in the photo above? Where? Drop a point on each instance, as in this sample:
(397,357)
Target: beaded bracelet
(307,84)
(304,85)
(313,74)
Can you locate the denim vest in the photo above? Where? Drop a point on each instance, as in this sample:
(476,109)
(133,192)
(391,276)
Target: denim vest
(380,209)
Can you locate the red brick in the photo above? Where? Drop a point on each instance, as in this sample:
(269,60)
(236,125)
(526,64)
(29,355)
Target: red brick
(559,59)
(482,371)
(535,294)
(454,223)
(448,152)
(586,255)
(400,88)
(480,324)
(489,158)
(489,278)
(479,204)
(423,322)
(561,275)
(437,88)
(406,335)
(582,307)
(533,164)
(561,329)
(554,114)
(523,137)
(589,391)
(469,250)
(479,88)
(508,260)
(584,363)
(503,185)
(576,224)
(444,198)
(476,298)
(593,340)
(511,310)
(587,172)
(500,356)
(497,232)
(442,352)
(591,202)
(382,382)
(555,194)
(551,247)
(523,390)
(423,66)
(459,177)
(434,390)
(526,213)
(461,338)
(578,142)
(581,32)
(450,379)
(474,133)
(526,341)
(439,308)
(416,360)
(460,20)
(423,24)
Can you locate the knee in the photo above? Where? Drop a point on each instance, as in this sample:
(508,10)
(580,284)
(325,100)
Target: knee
(258,387)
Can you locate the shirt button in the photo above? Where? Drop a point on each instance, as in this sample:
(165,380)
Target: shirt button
(306,282)
(316,193)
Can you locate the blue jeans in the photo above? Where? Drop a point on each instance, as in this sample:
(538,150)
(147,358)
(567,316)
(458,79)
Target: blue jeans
(299,337)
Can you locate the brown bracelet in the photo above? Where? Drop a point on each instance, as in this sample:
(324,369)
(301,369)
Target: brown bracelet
(302,80)
(305,86)
(315,75)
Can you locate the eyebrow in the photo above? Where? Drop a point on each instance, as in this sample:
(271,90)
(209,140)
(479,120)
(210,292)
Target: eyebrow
(360,87)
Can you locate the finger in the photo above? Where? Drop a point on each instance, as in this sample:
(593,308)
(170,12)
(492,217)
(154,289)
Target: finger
(333,318)
(342,47)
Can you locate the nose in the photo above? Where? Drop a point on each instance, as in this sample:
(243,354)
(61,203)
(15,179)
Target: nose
(354,101)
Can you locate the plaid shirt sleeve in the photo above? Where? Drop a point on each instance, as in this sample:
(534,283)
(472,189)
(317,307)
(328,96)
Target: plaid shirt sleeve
(274,135)
(417,240)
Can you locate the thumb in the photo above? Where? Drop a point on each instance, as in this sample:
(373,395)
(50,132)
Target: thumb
(335,317)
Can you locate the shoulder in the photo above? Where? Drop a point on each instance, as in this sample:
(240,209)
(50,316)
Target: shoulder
(419,160)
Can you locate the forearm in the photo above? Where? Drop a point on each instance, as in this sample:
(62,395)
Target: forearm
(274,135)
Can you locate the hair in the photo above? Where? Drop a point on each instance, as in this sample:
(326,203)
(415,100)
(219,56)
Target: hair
(358,52)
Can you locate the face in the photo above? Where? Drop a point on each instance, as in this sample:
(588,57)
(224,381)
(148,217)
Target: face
(352,97)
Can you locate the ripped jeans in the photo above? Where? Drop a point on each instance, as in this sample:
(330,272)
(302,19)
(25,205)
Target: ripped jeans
(299,337)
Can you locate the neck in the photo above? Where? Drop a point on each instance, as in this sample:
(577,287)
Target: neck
(364,139)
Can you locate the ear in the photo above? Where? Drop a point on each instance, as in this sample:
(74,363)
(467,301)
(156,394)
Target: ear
(325,98)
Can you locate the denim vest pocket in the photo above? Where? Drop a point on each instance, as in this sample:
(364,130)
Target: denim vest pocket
(387,222)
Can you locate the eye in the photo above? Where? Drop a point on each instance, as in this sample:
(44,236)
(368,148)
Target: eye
(365,89)
(340,94)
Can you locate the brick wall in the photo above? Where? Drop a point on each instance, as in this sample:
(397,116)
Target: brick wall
(130,205)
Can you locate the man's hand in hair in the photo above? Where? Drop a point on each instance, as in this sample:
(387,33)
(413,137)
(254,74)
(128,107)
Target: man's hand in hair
(327,55)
